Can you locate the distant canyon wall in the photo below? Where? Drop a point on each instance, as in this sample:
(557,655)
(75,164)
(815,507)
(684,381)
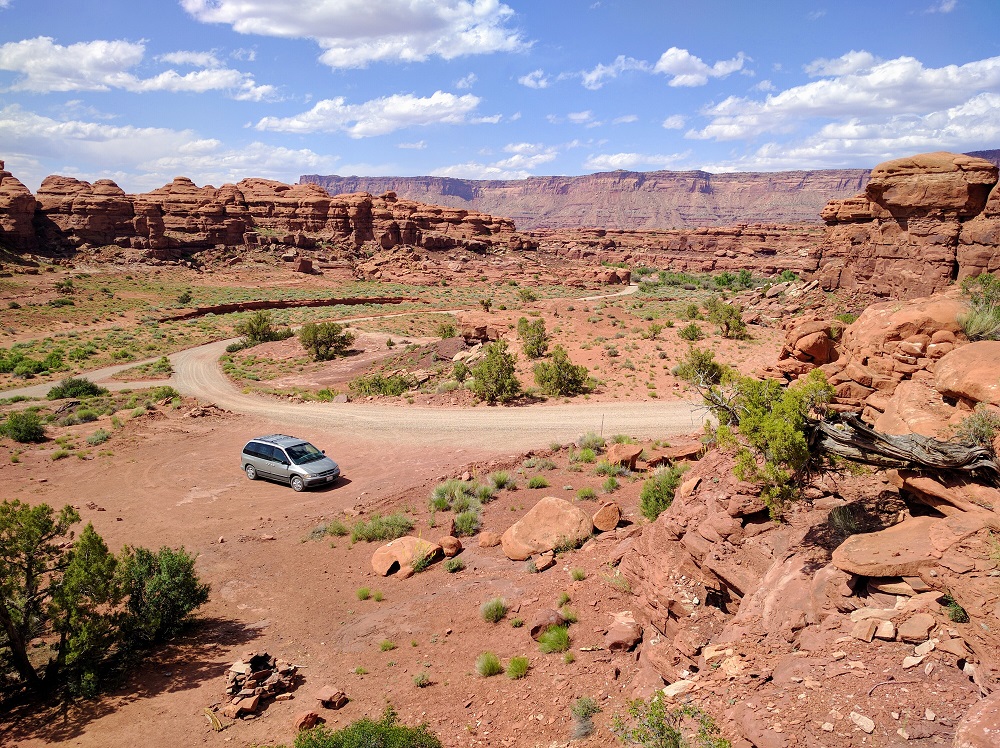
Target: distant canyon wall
(626,200)
(181,218)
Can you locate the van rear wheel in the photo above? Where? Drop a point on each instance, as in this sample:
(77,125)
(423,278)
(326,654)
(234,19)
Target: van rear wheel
(251,472)
(296,483)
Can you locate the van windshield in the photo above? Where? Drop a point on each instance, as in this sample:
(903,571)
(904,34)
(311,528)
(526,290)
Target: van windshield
(300,454)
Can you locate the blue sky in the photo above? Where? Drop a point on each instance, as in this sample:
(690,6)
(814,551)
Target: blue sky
(218,90)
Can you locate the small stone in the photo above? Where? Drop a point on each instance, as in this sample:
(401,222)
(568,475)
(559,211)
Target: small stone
(284,697)
(826,727)
(865,630)
(909,662)
(924,649)
(838,655)
(863,722)
(916,628)
(306,721)
(929,715)
(886,631)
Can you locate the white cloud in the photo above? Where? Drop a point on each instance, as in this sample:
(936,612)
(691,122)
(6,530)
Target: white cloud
(467,81)
(594,79)
(379,116)
(535,79)
(675,122)
(580,118)
(525,158)
(416,146)
(141,158)
(45,66)
(354,33)
(244,55)
(687,70)
(194,59)
(764,85)
(631,161)
(888,89)
(846,64)
(943,6)
(5,4)
(625,119)
(815,15)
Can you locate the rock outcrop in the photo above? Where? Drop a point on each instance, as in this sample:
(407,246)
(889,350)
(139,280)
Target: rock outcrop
(181,218)
(921,223)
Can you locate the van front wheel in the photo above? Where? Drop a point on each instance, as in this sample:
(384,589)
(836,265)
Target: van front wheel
(296,483)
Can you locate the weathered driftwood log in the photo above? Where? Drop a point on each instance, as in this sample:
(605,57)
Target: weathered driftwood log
(851,438)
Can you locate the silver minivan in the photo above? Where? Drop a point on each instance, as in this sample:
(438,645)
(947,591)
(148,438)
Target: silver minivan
(288,460)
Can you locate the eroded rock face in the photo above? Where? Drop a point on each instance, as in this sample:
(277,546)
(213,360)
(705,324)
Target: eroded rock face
(181,217)
(909,233)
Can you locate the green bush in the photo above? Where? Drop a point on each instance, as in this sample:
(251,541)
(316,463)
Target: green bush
(386,733)
(554,639)
(586,455)
(533,338)
(592,441)
(325,340)
(693,311)
(494,378)
(259,328)
(610,484)
(728,317)
(453,565)
(612,469)
(979,429)
(379,528)
(560,377)
(467,523)
(700,368)
(538,481)
(586,493)
(494,610)
(518,668)
(386,645)
(377,384)
(98,437)
(578,575)
(446,330)
(75,387)
(488,664)
(460,371)
(653,725)
(583,710)
(692,332)
(363,593)
(658,491)
(23,427)
(500,479)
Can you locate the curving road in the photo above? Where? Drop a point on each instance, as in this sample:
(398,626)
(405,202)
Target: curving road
(197,373)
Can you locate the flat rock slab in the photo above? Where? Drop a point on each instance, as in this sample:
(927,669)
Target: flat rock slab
(548,524)
(901,550)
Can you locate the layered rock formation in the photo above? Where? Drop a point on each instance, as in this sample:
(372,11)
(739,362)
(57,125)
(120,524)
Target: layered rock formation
(920,224)
(626,200)
(181,218)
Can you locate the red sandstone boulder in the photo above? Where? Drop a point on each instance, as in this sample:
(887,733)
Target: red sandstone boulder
(980,727)
(607,517)
(898,551)
(550,523)
(624,454)
(402,553)
(971,373)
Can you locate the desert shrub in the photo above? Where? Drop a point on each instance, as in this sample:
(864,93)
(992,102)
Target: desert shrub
(956,613)
(500,479)
(586,455)
(98,437)
(446,494)
(533,338)
(163,392)
(658,491)
(590,440)
(563,599)
(516,623)
(422,562)
(61,454)
(583,710)
(518,667)
(494,378)
(485,493)
(337,529)
(378,528)
(421,680)
(386,645)
(561,377)
(700,368)
(377,384)
(363,593)
(460,371)
(488,664)
(848,318)
(526,295)
(259,328)
(692,311)
(744,279)
(75,387)
(23,427)
(787,276)
(611,469)
(653,724)
(365,733)
(586,493)
(467,523)
(728,317)
(184,298)
(494,610)
(691,332)
(446,330)
(453,565)
(982,320)
(554,639)
(539,463)
(538,481)
(980,429)
(325,340)
(610,484)
(578,575)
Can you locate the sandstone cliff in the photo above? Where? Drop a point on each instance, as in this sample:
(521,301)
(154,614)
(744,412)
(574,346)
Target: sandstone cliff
(921,223)
(181,218)
(626,200)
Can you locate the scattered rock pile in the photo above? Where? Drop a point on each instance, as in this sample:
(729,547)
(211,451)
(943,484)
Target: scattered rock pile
(256,679)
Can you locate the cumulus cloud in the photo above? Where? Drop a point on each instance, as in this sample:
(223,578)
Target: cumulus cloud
(631,161)
(418,145)
(141,158)
(466,82)
(45,66)
(625,119)
(355,33)
(594,79)
(523,160)
(194,59)
(379,116)
(886,90)
(943,6)
(580,118)
(846,64)
(674,122)
(535,79)
(685,69)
